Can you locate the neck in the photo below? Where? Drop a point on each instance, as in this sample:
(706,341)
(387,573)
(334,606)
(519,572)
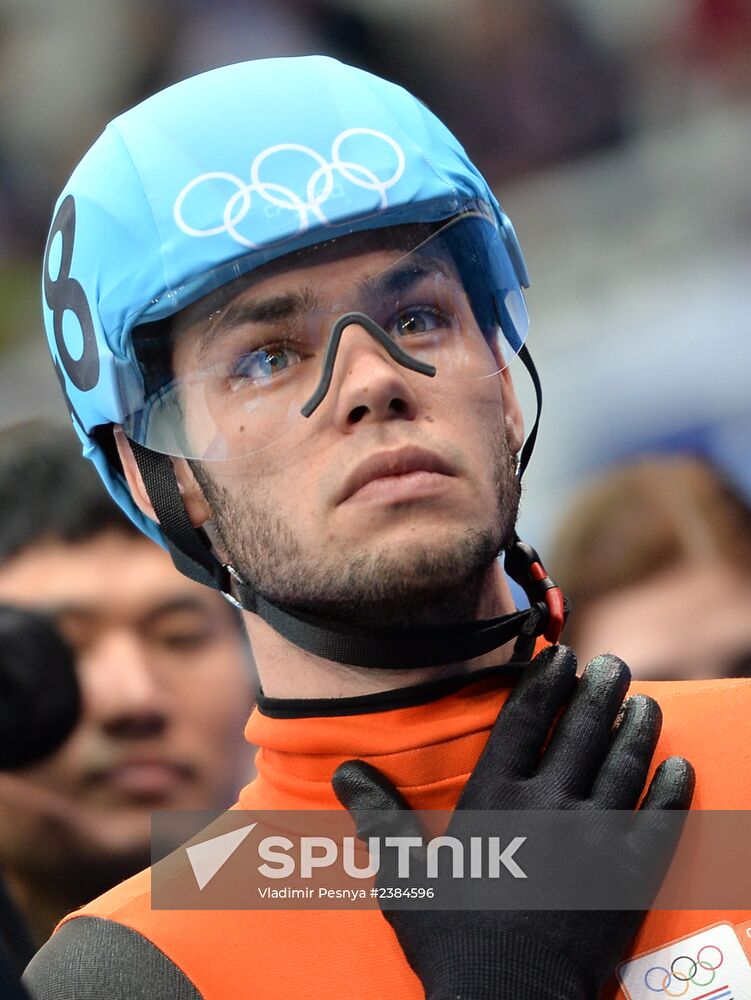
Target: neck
(286,671)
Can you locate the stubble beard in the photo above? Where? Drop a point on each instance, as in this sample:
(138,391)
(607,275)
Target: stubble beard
(432,585)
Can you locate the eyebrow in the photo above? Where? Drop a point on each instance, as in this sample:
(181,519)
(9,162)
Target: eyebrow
(176,605)
(402,278)
(391,280)
(171,605)
(246,311)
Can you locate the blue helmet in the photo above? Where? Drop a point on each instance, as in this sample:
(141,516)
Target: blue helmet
(208,180)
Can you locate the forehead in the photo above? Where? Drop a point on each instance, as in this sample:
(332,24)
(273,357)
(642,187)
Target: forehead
(323,278)
(110,572)
(323,263)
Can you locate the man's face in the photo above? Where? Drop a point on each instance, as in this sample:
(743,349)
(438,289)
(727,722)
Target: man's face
(166,685)
(390,503)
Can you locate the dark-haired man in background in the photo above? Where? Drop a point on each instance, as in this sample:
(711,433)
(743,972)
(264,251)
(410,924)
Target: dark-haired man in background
(165,673)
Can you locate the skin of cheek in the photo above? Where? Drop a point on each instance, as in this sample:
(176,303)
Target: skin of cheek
(314,464)
(213,710)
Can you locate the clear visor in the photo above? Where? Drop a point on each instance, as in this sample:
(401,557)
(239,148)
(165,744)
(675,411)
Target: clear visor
(264,356)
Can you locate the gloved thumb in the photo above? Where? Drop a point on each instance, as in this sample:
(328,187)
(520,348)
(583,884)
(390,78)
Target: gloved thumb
(376,806)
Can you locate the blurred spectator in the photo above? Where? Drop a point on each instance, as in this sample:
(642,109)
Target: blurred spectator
(655,558)
(165,673)
(717,39)
(65,70)
(522,81)
(206,35)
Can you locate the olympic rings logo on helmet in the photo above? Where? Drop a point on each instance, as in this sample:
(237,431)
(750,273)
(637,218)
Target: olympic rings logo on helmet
(280,196)
(685,970)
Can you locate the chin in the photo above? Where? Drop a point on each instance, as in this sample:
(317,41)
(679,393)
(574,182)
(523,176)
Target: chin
(420,534)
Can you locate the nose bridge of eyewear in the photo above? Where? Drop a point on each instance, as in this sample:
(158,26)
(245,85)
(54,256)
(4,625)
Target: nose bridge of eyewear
(332,348)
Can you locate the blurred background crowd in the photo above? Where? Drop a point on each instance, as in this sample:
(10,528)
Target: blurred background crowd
(616,135)
(618,138)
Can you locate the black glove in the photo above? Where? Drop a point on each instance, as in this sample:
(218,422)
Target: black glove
(587,765)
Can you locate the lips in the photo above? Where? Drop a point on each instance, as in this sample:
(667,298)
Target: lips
(140,776)
(400,462)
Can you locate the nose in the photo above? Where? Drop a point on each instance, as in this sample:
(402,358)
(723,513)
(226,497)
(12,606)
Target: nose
(368,385)
(121,691)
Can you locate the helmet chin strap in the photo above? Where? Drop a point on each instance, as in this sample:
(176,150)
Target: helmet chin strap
(406,648)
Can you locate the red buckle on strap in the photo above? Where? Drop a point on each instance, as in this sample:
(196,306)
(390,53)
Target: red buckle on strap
(553,598)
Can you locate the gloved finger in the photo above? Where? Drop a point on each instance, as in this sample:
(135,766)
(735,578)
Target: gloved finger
(624,771)
(521,729)
(377,807)
(660,820)
(672,785)
(583,734)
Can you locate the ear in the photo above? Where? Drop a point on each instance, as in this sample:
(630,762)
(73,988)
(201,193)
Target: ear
(194,500)
(512,413)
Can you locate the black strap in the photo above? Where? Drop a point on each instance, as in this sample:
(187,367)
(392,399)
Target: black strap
(188,546)
(397,648)
(387,701)
(526,452)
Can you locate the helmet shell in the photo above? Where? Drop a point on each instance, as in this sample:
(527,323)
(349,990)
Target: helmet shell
(212,177)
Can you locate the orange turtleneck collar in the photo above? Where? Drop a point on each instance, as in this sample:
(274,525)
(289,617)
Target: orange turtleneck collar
(426,739)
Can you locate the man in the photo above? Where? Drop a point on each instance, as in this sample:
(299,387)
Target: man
(165,674)
(290,367)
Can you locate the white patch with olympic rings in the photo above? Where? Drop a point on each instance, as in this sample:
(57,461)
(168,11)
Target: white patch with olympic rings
(709,965)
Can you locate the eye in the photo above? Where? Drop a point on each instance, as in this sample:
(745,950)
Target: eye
(181,632)
(261,366)
(418,319)
(183,641)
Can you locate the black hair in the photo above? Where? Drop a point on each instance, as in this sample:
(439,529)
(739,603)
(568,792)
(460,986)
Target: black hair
(49,491)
